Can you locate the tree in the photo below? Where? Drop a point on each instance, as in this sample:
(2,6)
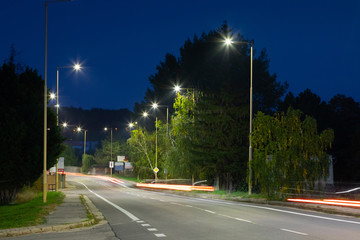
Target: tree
(103,154)
(87,162)
(69,156)
(346,123)
(221,74)
(21,124)
(289,152)
(142,152)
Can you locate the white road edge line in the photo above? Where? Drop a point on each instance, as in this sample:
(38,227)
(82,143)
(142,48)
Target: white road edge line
(130,215)
(276,210)
(292,231)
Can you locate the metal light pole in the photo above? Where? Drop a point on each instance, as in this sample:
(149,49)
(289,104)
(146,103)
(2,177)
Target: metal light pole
(85,143)
(251,116)
(228,41)
(45,113)
(156,143)
(110,147)
(45,106)
(76,67)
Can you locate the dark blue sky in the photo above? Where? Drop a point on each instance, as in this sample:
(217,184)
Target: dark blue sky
(311,43)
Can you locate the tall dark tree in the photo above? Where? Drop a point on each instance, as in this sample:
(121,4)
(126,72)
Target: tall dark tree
(346,124)
(21,124)
(310,104)
(221,117)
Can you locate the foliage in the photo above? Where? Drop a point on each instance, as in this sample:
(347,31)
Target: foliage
(209,136)
(288,152)
(30,213)
(142,152)
(70,158)
(345,121)
(87,162)
(103,154)
(22,124)
(342,114)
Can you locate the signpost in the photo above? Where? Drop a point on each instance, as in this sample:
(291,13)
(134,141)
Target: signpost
(111,164)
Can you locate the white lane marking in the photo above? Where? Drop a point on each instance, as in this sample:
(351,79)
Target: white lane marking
(188,206)
(209,211)
(130,215)
(152,229)
(162,200)
(159,234)
(277,210)
(292,231)
(145,225)
(243,220)
(139,221)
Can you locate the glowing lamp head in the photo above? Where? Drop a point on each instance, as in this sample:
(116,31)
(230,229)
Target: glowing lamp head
(177,88)
(64,124)
(155,105)
(228,41)
(52,96)
(131,125)
(78,129)
(77,67)
(145,114)
(106,129)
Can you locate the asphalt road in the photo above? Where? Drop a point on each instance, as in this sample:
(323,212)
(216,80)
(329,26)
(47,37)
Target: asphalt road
(139,214)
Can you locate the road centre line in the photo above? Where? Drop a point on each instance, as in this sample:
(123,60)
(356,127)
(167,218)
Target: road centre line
(243,220)
(160,235)
(292,231)
(209,211)
(130,215)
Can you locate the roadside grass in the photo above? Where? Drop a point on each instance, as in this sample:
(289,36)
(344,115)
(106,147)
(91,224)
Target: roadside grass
(90,216)
(134,179)
(29,213)
(239,194)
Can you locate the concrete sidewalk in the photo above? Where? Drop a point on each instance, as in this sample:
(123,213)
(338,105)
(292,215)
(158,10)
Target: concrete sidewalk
(71,214)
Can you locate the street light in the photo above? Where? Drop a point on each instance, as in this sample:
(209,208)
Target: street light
(228,41)
(79,130)
(76,67)
(45,185)
(111,131)
(155,106)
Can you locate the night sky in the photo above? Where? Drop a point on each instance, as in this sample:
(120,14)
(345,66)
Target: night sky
(311,44)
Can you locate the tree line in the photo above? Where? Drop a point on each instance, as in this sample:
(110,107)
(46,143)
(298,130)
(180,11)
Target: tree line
(209,125)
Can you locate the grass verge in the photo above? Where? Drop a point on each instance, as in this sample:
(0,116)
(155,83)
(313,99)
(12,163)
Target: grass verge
(134,179)
(29,213)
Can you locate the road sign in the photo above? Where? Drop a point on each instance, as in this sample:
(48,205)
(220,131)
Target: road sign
(156,170)
(61,165)
(111,164)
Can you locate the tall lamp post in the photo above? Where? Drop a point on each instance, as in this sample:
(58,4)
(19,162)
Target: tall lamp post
(155,170)
(76,67)
(45,185)
(228,42)
(155,106)
(110,147)
(79,130)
